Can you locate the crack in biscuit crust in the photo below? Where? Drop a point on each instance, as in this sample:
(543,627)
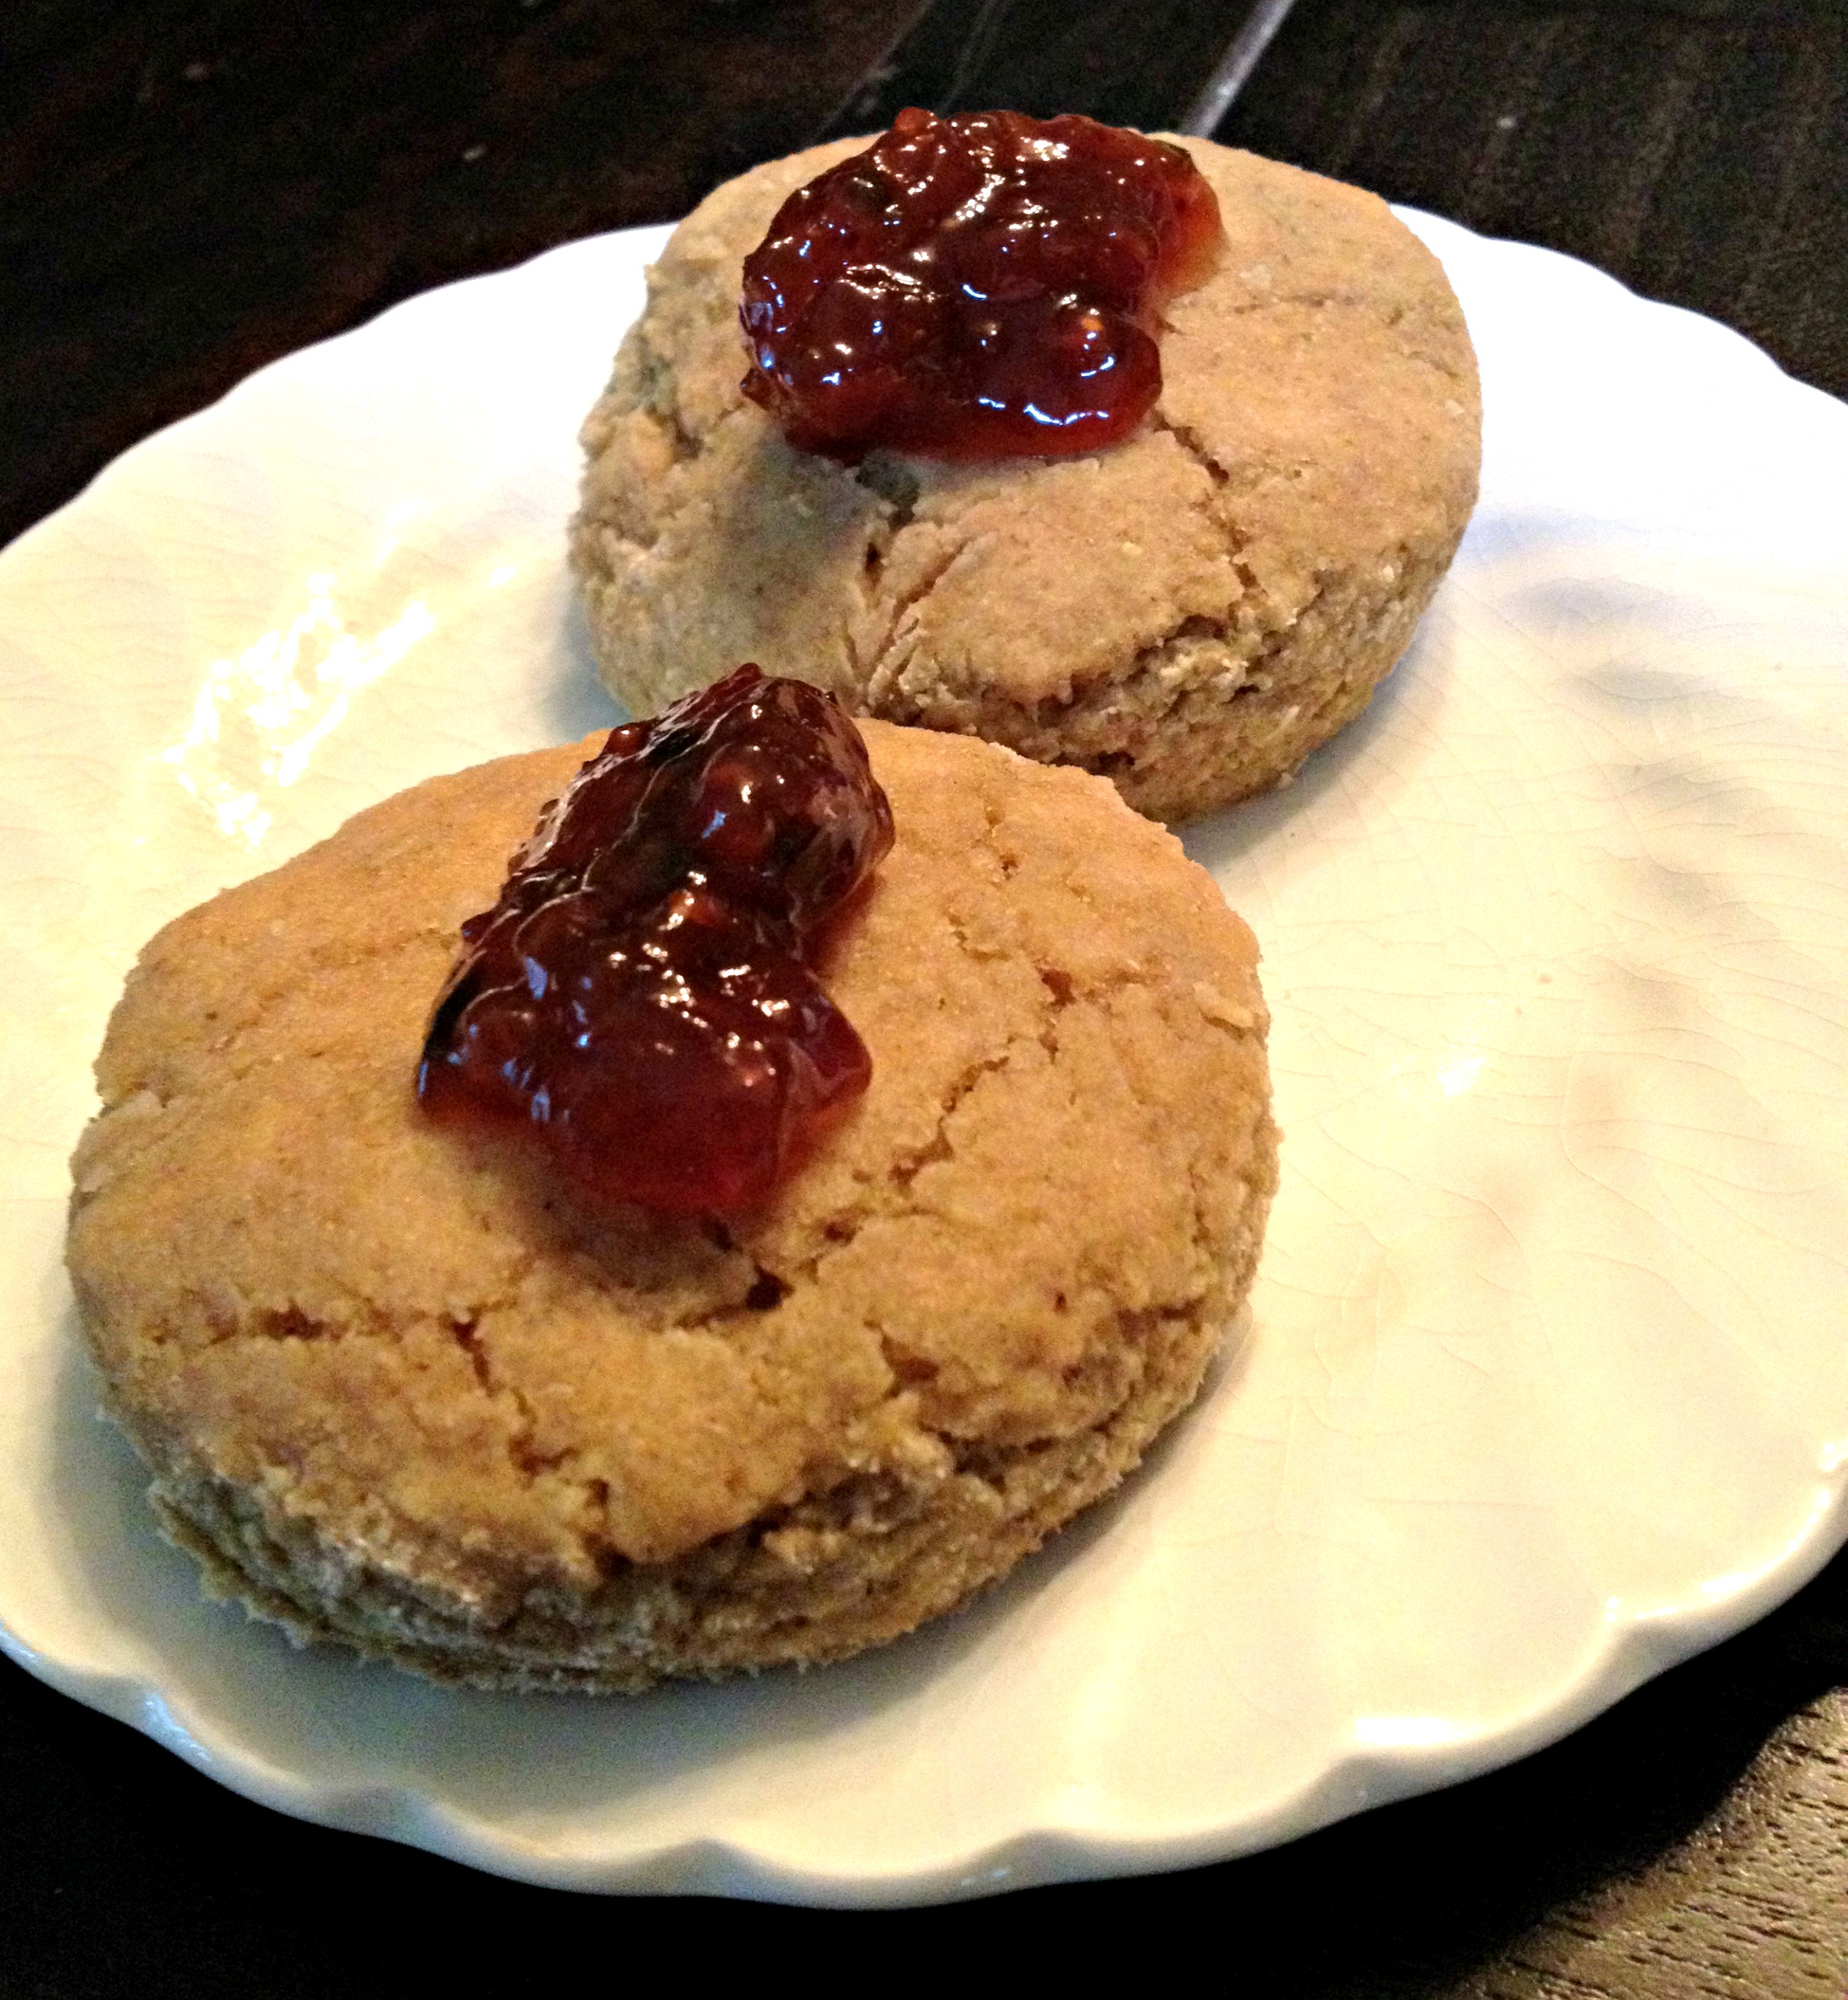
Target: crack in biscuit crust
(402,1392)
(1189,615)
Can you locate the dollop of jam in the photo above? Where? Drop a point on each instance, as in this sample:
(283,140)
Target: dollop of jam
(982,286)
(642,999)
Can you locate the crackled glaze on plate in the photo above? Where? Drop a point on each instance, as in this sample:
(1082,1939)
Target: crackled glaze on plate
(1544,1383)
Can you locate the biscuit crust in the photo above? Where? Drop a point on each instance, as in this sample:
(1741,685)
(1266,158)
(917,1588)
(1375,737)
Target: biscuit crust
(397,1389)
(1189,614)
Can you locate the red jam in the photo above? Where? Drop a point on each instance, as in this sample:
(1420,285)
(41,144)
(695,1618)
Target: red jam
(987,285)
(641,997)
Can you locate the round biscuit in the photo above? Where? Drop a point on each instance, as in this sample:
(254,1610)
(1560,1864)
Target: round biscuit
(397,1388)
(1189,613)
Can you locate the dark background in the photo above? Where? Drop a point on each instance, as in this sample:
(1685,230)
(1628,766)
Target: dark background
(189,190)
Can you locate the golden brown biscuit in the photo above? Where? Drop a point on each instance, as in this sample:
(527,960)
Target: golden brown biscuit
(1188,613)
(400,1390)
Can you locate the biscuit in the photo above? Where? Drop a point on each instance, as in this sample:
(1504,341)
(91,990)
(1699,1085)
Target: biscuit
(395,1388)
(1188,613)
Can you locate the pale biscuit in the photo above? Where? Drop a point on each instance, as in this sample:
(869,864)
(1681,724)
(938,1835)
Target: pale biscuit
(398,1390)
(1189,613)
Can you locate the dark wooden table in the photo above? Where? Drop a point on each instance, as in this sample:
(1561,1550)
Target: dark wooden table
(192,188)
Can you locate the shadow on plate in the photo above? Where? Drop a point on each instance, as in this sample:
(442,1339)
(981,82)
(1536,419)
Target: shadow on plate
(576,701)
(1402,711)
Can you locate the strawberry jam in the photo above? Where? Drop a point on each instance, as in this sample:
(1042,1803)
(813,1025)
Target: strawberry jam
(988,286)
(641,999)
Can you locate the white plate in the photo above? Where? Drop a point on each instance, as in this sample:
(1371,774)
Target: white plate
(1546,1380)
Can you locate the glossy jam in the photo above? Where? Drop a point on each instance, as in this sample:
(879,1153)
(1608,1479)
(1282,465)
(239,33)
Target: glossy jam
(641,999)
(981,286)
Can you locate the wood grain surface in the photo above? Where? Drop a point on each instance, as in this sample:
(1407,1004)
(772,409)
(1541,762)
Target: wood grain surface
(1698,150)
(188,190)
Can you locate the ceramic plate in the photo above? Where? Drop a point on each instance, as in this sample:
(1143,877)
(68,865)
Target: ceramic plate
(1545,1379)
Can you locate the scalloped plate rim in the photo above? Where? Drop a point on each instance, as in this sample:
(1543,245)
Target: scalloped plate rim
(1632,1650)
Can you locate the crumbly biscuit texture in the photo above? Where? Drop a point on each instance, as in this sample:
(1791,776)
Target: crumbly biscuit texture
(397,1388)
(1189,613)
